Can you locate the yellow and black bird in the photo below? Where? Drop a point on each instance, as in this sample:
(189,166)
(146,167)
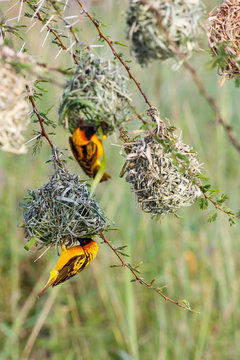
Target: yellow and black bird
(87,149)
(71,262)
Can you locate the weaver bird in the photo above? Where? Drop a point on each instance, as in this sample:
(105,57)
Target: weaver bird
(71,262)
(87,148)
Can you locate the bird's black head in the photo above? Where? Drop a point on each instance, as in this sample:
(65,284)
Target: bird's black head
(89,130)
(84,241)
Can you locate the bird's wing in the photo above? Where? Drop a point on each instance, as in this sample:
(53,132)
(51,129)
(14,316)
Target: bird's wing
(71,268)
(86,155)
(90,152)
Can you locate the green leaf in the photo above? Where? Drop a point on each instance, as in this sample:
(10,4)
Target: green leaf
(99,175)
(183,157)
(213,192)
(203,203)
(222,199)
(119,43)
(205,188)
(186,303)
(203,177)
(30,244)
(213,216)
(232,221)
(138,265)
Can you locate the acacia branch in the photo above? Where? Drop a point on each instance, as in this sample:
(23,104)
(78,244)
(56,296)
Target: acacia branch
(140,280)
(211,101)
(110,43)
(41,121)
(51,30)
(217,207)
(64,20)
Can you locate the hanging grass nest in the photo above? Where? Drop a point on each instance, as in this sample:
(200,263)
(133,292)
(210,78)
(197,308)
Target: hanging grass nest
(14,109)
(162,170)
(61,211)
(148,20)
(224,38)
(97,94)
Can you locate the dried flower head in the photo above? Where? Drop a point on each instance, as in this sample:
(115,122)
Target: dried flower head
(14,109)
(224,37)
(146,19)
(96,94)
(161,170)
(61,211)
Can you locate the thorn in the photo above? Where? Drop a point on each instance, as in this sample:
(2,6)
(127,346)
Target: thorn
(48,32)
(58,53)
(20,9)
(71,46)
(46,24)
(70,25)
(20,51)
(31,26)
(10,20)
(66,3)
(12,7)
(70,17)
(38,8)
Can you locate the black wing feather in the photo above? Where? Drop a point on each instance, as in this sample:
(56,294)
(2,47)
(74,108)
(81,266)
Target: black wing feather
(71,268)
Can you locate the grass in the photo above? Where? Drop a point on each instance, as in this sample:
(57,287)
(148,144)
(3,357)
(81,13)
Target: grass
(100,314)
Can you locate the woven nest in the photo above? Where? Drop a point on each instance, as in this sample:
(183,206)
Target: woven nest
(224,37)
(61,211)
(14,110)
(161,170)
(146,20)
(96,94)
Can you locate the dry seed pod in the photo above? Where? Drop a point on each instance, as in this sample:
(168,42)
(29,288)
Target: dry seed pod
(14,110)
(224,36)
(162,185)
(96,94)
(180,18)
(61,211)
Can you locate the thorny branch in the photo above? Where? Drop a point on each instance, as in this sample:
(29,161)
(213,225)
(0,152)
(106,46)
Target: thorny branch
(64,20)
(140,280)
(51,30)
(211,101)
(41,121)
(110,43)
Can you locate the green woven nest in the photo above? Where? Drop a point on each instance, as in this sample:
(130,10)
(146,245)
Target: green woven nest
(161,170)
(61,211)
(96,94)
(180,18)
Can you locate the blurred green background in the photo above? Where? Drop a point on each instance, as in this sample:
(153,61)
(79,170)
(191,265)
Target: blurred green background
(100,314)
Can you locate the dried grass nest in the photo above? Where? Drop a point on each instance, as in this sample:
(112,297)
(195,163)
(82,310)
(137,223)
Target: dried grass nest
(96,94)
(61,211)
(146,20)
(162,179)
(14,109)
(224,35)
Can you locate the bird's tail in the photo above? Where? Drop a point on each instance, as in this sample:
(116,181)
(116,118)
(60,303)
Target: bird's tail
(49,283)
(105,176)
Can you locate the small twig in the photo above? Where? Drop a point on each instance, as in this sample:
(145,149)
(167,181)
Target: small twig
(40,118)
(110,43)
(41,121)
(140,280)
(211,101)
(217,206)
(64,20)
(59,70)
